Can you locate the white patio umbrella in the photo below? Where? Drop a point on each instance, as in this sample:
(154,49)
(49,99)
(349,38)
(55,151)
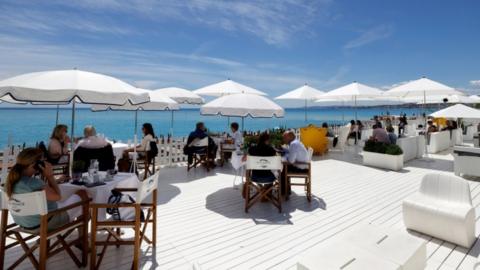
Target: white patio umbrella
(353,91)
(158,102)
(63,86)
(305,92)
(227,87)
(448,99)
(181,96)
(243,105)
(476,98)
(458,111)
(422,87)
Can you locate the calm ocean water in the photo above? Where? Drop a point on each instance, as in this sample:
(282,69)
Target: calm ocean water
(30,125)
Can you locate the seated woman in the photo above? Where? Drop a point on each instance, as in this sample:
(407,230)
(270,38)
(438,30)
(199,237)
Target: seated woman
(262,149)
(58,145)
(21,179)
(354,131)
(391,135)
(148,136)
(91,140)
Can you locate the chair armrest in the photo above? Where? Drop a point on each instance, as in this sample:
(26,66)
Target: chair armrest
(126,189)
(112,205)
(68,207)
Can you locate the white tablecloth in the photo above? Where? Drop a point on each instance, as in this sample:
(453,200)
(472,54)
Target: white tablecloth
(100,194)
(237,161)
(118,149)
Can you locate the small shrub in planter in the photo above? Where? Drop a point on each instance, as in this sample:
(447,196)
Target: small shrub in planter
(382,148)
(382,155)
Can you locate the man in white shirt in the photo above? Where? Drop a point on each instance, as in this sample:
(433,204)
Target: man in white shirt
(91,140)
(294,157)
(297,153)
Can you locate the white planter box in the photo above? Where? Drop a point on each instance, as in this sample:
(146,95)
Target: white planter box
(391,162)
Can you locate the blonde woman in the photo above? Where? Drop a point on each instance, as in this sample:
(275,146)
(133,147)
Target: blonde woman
(21,179)
(58,144)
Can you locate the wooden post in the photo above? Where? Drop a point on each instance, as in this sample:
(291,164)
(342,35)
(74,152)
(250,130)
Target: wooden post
(154,223)
(3,239)
(136,247)
(93,239)
(43,242)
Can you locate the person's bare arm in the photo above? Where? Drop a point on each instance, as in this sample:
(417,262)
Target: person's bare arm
(52,190)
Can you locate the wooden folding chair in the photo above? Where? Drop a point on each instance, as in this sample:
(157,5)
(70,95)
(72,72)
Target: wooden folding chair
(263,188)
(147,163)
(62,168)
(35,203)
(200,156)
(6,230)
(306,175)
(111,226)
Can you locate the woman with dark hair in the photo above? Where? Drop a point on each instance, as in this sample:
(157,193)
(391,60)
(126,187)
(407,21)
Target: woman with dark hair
(262,149)
(148,136)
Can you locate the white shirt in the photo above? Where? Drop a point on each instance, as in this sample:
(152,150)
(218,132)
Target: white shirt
(237,139)
(145,144)
(297,153)
(92,142)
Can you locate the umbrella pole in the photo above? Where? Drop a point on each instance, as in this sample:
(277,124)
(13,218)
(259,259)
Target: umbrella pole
(356,133)
(72,132)
(243,118)
(171,126)
(306,105)
(136,123)
(425,122)
(56,119)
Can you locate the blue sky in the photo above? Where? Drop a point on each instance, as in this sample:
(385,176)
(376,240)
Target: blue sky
(274,46)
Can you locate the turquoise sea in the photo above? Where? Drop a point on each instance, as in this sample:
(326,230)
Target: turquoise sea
(30,125)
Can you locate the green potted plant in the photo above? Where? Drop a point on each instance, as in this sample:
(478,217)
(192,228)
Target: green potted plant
(382,155)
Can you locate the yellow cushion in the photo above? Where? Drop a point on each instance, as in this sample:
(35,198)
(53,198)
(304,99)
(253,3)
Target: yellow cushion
(440,122)
(314,137)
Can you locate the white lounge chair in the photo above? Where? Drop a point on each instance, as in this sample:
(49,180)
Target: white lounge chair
(438,141)
(466,160)
(367,247)
(342,139)
(443,209)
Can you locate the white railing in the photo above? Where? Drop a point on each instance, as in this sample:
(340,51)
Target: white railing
(170,153)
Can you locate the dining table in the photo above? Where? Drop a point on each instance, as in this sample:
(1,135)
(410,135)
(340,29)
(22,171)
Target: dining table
(118,149)
(101,193)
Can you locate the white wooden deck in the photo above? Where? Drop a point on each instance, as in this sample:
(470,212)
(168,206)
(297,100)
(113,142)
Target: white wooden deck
(201,218)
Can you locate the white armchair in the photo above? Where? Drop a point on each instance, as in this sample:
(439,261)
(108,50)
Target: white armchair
(439,141)
(342,139)
(443,209)
(466,160)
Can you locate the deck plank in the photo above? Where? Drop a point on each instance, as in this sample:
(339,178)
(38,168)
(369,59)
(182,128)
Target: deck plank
(201,218)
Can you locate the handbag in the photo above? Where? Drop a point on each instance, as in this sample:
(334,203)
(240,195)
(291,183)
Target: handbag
(122,213)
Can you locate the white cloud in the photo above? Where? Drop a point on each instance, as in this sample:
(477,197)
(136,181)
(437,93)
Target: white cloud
(275,22)
(475,83)
(144,68)
(53,22)
(369,36)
